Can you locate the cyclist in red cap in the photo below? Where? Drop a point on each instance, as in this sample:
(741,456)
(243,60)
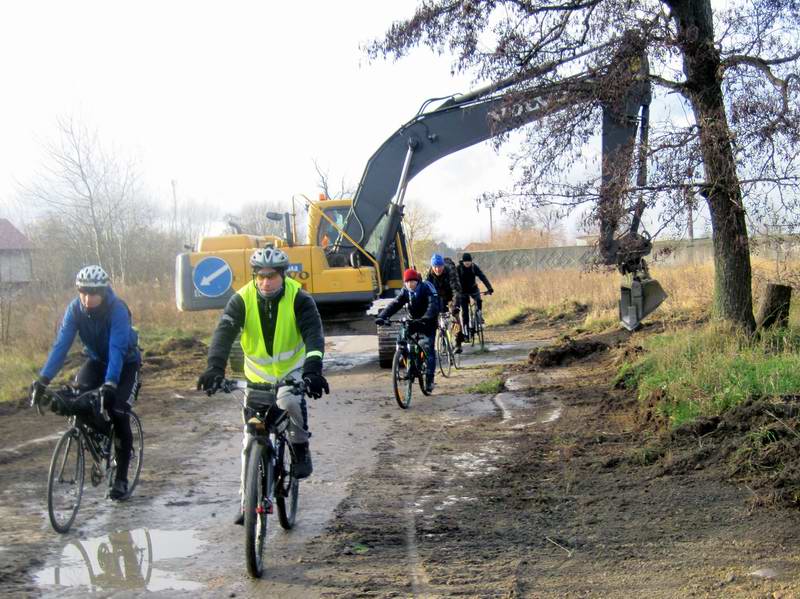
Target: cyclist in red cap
(422,303)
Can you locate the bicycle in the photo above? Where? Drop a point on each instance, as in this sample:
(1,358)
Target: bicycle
(445,352)
(67,471)
(269,478)
(475,329)
(409,363)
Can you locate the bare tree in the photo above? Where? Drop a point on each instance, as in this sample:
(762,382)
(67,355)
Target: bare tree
(346,190)
(732,71)
(93,197)
(252,219)
(419,222)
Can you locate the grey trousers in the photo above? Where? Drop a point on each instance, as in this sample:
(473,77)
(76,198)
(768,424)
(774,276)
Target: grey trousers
(286,400)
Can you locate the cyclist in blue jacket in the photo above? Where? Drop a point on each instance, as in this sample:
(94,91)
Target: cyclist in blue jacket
(103,323)
(423,306)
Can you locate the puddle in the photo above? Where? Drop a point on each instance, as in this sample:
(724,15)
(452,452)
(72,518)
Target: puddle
(520,382)
(539,409)
(126,560)
(344,352)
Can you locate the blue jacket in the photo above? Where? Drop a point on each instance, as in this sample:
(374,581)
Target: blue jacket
(106,334)
(423,303)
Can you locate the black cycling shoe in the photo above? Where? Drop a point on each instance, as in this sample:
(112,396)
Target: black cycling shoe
(239,520)
(429,383)
(301,467)
(119,490)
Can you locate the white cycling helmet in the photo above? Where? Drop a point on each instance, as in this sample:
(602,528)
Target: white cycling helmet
(92,276)
(269,257)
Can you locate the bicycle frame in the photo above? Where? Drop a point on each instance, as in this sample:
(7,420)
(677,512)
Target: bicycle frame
(409,344)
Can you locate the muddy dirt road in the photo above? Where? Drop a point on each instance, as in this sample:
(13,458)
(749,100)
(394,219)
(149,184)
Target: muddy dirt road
(531,492)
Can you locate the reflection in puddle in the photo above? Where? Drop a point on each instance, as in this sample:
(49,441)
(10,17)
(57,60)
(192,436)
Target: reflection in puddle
(123,560)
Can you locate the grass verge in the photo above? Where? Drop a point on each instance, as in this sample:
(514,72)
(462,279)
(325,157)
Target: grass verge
(489,386)
(688,374)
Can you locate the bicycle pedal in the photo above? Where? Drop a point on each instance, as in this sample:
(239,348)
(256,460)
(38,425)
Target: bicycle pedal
(264,509)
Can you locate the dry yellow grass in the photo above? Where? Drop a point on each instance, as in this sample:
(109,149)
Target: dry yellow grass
(690,289)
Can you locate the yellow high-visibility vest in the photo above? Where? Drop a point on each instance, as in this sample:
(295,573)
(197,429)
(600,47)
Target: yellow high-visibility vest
(288,348)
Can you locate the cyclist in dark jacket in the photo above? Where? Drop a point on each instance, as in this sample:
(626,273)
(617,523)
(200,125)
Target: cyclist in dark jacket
(103,323)
(468,273)
(423,305)
(445,279)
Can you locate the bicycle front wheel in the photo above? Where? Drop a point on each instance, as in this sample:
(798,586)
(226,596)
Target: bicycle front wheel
(473,324)
(256,505)
(402,379)
(287,488)
(421,370)
(479,332)
(443,353)
(65,481)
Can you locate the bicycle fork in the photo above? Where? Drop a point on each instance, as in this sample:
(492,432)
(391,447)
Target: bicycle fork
(267,486)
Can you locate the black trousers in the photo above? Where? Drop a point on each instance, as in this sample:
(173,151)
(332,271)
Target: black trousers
(91,375)
(476,296)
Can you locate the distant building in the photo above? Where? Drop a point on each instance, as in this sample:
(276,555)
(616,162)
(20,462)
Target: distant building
(15,258)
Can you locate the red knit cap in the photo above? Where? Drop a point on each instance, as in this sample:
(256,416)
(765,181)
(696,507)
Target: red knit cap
(411,275)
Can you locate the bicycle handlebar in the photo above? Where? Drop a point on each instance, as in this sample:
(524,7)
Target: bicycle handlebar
(231,385)
(48,395)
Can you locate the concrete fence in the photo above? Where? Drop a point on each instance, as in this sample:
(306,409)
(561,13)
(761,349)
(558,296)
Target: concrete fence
(665,253)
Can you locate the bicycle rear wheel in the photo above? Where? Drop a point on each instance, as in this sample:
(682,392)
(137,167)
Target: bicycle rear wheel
(402,379)
(443,353)
(288,487)
(256,504)
(65,481)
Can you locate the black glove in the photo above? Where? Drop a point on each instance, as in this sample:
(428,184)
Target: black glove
(211,380)
(489,291)
(37,391)
(108,396)
(315,384)
(455,311)
(380,321)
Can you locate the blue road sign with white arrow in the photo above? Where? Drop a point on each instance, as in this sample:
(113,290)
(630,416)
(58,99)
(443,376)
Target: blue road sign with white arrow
(212,276)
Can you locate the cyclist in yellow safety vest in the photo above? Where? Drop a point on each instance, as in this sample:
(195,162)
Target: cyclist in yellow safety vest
(282,339)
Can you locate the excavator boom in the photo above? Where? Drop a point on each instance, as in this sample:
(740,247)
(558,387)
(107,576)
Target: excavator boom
(462,121)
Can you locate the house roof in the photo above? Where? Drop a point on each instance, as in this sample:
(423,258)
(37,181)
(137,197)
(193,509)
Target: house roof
(11,238)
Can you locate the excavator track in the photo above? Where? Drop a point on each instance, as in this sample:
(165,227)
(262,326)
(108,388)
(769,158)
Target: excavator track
(387,338)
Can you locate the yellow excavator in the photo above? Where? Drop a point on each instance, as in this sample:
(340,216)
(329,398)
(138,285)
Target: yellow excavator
(357,250)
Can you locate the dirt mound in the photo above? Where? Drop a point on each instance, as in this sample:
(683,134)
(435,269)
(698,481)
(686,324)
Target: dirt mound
(569,351)
(172,345)
(756,442)
(171,354)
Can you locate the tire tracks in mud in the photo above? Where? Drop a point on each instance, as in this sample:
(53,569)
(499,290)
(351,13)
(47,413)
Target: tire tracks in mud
(420,583)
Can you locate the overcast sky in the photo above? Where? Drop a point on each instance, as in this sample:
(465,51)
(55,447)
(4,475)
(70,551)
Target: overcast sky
(232,100)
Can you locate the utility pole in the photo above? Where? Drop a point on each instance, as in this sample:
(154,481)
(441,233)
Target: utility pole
(489,203)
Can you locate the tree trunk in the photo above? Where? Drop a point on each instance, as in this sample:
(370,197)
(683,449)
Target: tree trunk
(733,300)
(774,310)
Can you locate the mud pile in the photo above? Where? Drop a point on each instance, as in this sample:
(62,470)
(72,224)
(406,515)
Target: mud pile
(566,353)
(171,353)
(756,442)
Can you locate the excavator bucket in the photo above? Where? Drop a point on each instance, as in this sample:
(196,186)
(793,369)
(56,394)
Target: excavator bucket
(637,300)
